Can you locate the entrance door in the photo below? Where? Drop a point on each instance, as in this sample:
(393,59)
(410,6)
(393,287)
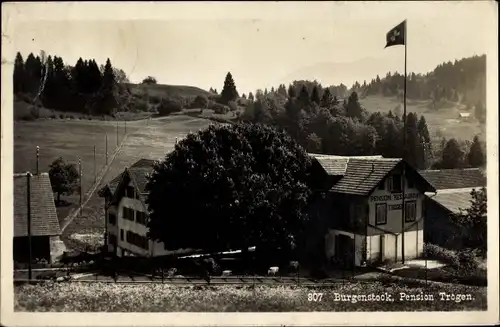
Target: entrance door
(344,250)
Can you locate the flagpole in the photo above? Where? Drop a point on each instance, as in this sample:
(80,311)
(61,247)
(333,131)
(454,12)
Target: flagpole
(403,179)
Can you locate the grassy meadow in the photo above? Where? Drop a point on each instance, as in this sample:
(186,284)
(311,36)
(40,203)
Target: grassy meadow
(112,297)
(70,139)
(443,122)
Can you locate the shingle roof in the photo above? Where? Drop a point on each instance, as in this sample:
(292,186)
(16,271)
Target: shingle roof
(143,163)
(454,178)
(453,201)
(113,184)
(336,165)
(363,174)
(44,220)
(139,174)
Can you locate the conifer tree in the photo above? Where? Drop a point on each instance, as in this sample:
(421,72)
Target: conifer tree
(315,95)
(303,98)
(19,74)
(327,99)
(353,107)
(476,157)
(291,91)
(452,157)
(106,100)
(229,92)
(423,130)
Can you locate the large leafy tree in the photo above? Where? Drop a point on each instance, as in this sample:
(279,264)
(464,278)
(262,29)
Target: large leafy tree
(230,187)
(64,178)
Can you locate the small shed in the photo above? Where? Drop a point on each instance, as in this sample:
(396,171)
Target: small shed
(45,229)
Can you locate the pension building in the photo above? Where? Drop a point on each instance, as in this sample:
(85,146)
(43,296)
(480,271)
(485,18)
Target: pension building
(362,208)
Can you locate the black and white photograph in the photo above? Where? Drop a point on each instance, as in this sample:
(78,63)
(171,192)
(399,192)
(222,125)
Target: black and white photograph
(285,158)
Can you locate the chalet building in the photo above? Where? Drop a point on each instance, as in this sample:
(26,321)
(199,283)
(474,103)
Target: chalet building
(453,193)
(126,213)
(45,229)
(363,209)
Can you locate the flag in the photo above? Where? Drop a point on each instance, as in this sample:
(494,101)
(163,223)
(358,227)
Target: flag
(396,36)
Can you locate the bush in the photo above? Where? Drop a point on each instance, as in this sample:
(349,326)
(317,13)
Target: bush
(200,101)
(168,106)
(232,106)
(154,99)
(219,108)
(468,262)
(138,105)
(433,251)
(62,116)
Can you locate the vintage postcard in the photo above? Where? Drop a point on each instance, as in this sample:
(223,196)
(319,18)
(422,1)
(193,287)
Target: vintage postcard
(262,163)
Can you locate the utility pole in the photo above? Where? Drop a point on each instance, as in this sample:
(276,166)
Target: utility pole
(95,172)
(80,174)
(117,133)
(106,149)
(37,159)
(28,182)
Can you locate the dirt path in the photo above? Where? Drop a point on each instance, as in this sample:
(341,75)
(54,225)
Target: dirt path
(67,221)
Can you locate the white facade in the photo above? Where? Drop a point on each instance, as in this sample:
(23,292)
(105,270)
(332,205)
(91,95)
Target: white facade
(382,240)
(123,225)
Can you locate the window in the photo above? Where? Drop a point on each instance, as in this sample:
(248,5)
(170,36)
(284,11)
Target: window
(410,211)
(130,192)
(128,214)
(121,235)
(140,217)
(396,184)
(381,186)
(112,239)
(112,218)
(137,240)
(380,213)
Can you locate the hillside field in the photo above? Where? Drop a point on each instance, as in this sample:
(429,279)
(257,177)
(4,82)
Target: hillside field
(73,139)
(150,139)
(164,91)
(443,122)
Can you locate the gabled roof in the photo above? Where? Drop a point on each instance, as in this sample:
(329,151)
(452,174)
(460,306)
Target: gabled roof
(336,165)
(44,220)
(455,178)
(453,200)
(361,174)
(111,186)
(140,177)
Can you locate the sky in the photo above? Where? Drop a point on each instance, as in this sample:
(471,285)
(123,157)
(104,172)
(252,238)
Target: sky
(261,44)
